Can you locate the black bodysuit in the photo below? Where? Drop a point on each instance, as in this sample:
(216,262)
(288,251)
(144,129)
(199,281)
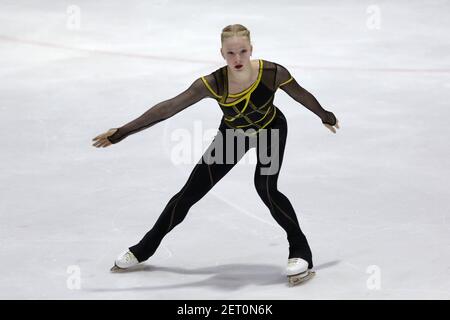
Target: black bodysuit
(250,109)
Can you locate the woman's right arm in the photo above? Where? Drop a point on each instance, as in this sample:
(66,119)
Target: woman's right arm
(162,111)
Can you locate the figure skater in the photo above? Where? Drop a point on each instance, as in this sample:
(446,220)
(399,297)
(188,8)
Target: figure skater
(244,90)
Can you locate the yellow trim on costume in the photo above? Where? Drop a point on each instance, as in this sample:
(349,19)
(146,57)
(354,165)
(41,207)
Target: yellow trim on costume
(209,88)
(257,109)
(268,111)
(247,92)
(287,81)
(235,95)
(245,107)
(270,121)
(261,107)
(245,95)
(254,123)
(274,113)
(230,104)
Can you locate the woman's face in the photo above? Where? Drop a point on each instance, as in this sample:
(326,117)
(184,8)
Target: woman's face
(237,51)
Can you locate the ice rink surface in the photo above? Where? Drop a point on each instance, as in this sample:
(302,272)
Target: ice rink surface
(372,199)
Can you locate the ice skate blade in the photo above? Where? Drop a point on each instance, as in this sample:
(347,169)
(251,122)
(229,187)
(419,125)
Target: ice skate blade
(116,269)
(300,278)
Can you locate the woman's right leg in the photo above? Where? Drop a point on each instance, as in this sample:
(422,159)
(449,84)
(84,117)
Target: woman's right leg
(202,179)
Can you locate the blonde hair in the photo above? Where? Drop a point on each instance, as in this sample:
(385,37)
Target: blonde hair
(234,30)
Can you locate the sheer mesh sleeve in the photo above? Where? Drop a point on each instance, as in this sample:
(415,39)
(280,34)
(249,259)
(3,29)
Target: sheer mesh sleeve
(163,111)
(287,83)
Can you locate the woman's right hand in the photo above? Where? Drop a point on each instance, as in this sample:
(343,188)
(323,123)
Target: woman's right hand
(101,139)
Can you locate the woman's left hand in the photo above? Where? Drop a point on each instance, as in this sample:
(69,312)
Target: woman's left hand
(332,128)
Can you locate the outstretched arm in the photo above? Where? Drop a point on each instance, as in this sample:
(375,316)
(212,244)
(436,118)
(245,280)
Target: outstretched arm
(162,111)
(287,83)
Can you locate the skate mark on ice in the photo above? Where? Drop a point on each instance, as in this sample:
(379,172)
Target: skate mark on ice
(327,265)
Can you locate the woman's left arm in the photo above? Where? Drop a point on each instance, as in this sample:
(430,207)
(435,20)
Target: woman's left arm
(288,84)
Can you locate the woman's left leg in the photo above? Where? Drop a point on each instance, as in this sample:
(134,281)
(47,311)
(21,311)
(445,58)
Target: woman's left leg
(268,166)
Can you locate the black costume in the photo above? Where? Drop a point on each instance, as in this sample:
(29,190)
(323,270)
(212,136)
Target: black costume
(251,109)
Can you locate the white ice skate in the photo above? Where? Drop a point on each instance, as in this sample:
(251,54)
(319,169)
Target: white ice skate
(297,271)
(124,261)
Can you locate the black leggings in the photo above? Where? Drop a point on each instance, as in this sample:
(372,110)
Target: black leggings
(207,173)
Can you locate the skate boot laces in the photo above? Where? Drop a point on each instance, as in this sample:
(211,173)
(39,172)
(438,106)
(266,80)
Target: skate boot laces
(294,261)
(296,266)
(127,258)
